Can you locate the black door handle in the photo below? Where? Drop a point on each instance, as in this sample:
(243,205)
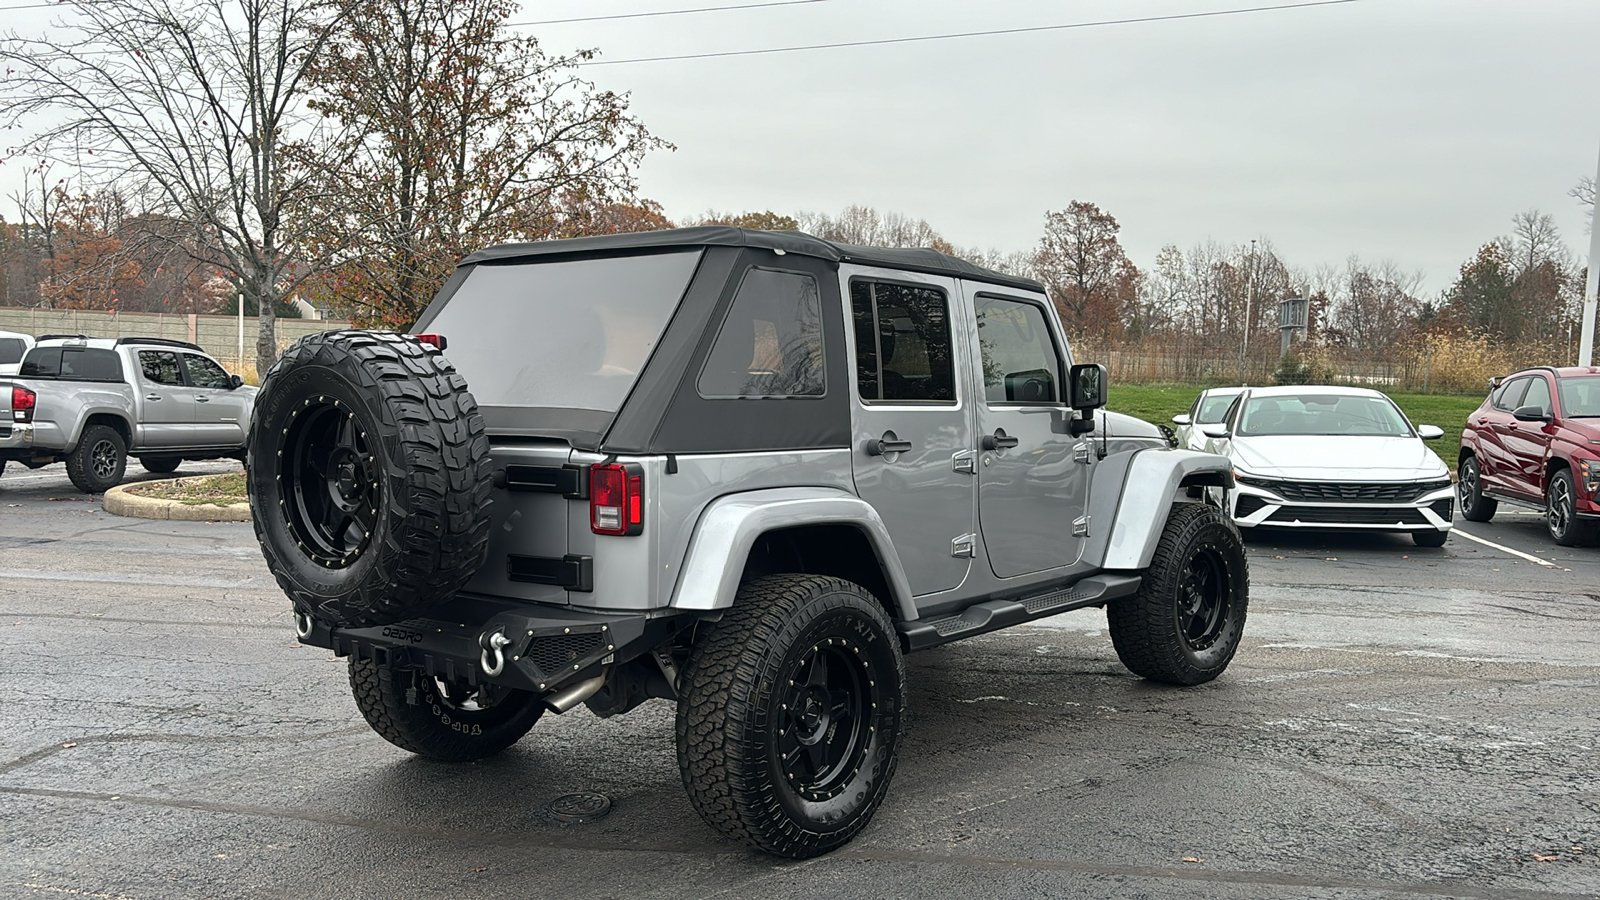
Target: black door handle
(889,443)
(999,440)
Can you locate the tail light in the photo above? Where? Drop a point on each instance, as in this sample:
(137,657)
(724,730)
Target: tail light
(22,401)
(616,499)
(435,341)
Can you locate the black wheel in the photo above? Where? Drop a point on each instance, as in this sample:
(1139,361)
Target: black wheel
(1561,512)
(160,465)
(98,462)
(441,720)
(1187,618)
(1430,538)
(369,478)
(789,717)
(1475,507)
(2,467)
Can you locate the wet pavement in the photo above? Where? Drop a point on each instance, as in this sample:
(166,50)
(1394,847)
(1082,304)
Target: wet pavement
(1400,722)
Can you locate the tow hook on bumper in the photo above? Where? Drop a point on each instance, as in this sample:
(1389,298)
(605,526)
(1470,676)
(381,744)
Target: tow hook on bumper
(556,652)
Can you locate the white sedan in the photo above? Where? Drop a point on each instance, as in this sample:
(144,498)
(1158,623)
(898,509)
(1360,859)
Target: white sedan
(1332,458)
(1210,408)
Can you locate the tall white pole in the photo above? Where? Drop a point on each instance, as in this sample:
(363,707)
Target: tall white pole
(1586,343)
(241,331)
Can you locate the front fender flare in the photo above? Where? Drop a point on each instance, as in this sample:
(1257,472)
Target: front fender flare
(1149,485)
(730,525)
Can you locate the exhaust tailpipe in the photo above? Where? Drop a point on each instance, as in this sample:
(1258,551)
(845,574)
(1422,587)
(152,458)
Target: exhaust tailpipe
(572,695)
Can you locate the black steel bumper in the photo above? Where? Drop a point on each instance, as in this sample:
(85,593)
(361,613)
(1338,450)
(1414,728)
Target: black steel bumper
(543,647)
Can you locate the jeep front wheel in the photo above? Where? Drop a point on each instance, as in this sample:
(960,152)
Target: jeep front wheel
(369,478)
(790,713)
(445,721)
(1185,622)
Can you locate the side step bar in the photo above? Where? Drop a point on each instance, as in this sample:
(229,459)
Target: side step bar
(993,615)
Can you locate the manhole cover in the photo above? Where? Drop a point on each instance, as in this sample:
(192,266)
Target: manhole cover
(586,806)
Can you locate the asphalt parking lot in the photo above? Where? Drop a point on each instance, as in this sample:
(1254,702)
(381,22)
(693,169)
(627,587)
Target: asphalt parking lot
(1400,722)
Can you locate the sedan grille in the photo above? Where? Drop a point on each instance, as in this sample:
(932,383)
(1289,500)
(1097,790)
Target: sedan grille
(1347,515)
(1347,491)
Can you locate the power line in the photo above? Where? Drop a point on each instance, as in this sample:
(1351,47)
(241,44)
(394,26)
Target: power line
(669,12)
(968,34)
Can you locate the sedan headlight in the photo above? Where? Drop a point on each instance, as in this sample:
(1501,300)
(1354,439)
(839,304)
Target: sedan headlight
(1589,476)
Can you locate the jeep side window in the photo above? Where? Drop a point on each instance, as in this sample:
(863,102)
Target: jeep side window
(161,367)
(1020,363)
(903,345)
(771,343)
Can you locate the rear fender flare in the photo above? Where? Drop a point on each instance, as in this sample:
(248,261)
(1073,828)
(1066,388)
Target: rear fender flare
(1149,484)
(730,525)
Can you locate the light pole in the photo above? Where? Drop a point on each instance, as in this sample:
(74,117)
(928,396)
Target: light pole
(1586,342)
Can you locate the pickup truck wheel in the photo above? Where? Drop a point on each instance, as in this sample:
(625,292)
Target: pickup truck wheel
(1475,507)
(99,461)
(1561,512)
(789,716)
(160,465)
(369,478)
(441,720)
(1185,622)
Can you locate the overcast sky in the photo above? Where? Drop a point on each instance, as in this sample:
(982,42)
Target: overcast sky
(1410,130)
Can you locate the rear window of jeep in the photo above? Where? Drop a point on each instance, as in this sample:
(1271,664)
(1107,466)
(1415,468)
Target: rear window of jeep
(571,334)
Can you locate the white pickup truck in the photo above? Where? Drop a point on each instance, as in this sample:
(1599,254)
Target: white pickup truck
(92,402)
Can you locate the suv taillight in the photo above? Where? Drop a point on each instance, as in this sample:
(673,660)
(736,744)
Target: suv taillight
(22,401)
(616,499)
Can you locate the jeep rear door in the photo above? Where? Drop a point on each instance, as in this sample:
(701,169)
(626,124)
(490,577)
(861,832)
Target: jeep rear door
(1033,477)
(912,445)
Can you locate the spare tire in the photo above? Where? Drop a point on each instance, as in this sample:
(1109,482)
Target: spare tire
(369,477)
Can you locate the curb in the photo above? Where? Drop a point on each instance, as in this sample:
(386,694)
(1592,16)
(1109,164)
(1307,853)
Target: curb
(119,502)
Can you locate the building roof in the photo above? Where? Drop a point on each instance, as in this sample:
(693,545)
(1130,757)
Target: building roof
(916,260)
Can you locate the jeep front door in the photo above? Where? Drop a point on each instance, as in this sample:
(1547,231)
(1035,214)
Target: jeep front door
(1033,477)
(911,422)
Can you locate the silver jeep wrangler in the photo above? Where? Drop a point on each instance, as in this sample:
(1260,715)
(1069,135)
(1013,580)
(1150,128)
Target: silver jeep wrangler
(743,471)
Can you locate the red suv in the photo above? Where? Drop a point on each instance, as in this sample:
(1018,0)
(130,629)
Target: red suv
(1535,442)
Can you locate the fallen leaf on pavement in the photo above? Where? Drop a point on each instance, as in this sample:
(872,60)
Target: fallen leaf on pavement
(69,744)
(1551,858)
(1193,859)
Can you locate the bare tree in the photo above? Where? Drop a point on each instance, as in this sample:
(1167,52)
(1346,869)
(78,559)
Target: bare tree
(196,100)
(1374,306)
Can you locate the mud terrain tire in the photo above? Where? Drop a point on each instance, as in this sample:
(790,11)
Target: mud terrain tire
(368,477)
(789,720)
(1186,620)
(444,722)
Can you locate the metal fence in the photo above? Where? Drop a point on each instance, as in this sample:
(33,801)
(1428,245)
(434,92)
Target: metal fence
(219,335)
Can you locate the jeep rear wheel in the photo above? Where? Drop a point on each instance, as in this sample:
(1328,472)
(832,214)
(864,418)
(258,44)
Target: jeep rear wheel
(1186,620)
(369,478)
(446,721)
(789,716)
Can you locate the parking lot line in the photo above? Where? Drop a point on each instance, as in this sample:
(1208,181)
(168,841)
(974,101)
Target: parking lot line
(1518,553)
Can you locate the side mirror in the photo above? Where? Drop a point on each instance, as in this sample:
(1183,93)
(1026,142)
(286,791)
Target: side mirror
(1087,386)
(1430,432)
(236,381)
(1531,414)
(1086,392)
(1181,419)
(1218,430)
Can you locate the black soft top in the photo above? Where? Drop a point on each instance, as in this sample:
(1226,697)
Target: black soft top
(914,260)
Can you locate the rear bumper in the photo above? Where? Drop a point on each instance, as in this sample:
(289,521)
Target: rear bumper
(545,646)
(16,440)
